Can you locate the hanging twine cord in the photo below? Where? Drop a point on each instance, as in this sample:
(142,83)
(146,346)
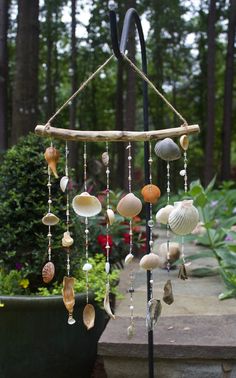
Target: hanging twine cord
(83,85)
(144,77)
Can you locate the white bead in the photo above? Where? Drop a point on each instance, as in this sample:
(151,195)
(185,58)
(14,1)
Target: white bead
(131,307)
(182,172)
(107,267)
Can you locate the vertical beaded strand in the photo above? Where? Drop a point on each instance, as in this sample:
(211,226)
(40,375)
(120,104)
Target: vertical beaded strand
(167,225)
(107,264)
(86,231)
(150,221)
(67,209)
(49,185)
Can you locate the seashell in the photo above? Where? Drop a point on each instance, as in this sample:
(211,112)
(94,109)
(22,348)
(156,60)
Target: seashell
(168,293)
(87,267)
(130,331)
(167,150)
(129,206)
(52,156)
(107,267)
(200,229)
(106,302)
(182,272)
(89,316)
(50,219)
(184,142)
(110,216)
(105,158)
(154,308)
(182,172)
(67,240)
(174,251)
(163,214)
(150,193)
(150,261)
(129,258)
(86,205)
(63,183)
(69,297)
(183,218)
(48,272)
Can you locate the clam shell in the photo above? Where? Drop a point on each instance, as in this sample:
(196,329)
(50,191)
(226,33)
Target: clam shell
(174,251)
(184,142)
(110,216)
(89,316)
(86,205)
(128,258)
(183,218)
(150,261)
(63,183)
(129,206)
(150,193)
(106,302)
(168,297)
(48,272)
(50,219)
(68,293)
(67,240)
(163,214)
(52,156)
(87,267)
(167,150)
(105,158)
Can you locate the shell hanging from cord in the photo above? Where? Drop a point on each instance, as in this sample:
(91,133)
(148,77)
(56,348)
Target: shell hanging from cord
(150,261)
(129,206)
(86,205)
(48,272)
(52,156)
(167,150)
(89,316)
(50,219)
(150,193)
(184,142)
(106,302)
(183,218)
(162,215)
(69,297)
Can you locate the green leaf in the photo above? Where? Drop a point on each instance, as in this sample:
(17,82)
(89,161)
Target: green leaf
(210,185)
(227,294)
(204,272)
(201,200)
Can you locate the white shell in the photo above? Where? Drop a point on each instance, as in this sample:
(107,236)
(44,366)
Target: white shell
(184,142)
(182,172)
(105,158)
(86,205)
(107,267)
(184,218)
(106,302)
(129,206)
(67,240)
(129,258)
(63,183)
(150,261)
(167,150)
(87,267)
(110,216)
(50,219)
(163,214)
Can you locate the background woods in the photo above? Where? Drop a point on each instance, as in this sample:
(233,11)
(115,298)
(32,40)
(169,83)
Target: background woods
(47,48)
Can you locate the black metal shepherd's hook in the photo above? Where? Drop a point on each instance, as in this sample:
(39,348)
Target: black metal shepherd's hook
(119,50)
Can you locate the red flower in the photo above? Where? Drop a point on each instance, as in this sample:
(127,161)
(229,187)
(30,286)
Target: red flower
(103,239)
(126,238)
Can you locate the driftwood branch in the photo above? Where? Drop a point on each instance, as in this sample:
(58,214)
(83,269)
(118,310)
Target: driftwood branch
(114,135)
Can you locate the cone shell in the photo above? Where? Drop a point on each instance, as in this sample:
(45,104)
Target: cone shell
(174,251)
(150,193)
(106,302)
(50,219)
(184,218)
(184,142)
(52,156)
(167,150)
(63,183)
(89,316)
(105,158)
(150,261)
(86,205)
(110,216)
(162,215)
(68,293)
(129,206)
(48,272)
(67,240)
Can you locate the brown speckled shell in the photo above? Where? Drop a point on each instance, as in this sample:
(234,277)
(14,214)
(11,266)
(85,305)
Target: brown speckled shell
(52,156)
(150,193)
(48,272)
(89,316)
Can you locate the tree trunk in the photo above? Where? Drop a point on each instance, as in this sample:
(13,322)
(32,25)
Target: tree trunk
(210,130)
(25,86)
(3,74)
(228,95)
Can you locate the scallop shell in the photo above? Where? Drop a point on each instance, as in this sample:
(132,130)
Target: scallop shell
(167,150)
(67,240)
(129,206)
(50,219)
(105,158)
(110,216)
(174,251)
(106,302)
(63,183)
(183,218)
(150,193)
(52,156)
(184,142)
(150,261)
(48,272)
(87,267)
(68,293)
(129,258)
(168,297)
(86,205)
(163,214)
(89,316)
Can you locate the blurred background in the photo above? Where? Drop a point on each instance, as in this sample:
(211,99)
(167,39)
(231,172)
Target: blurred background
(48,48)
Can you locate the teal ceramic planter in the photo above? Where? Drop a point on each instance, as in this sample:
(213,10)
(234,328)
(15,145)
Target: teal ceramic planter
(36,340)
